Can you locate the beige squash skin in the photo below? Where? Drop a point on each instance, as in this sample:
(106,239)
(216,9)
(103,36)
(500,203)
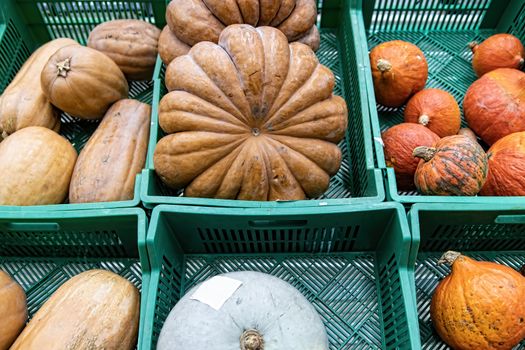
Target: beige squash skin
(95,310)
(13,310)
(23,103)
(130,43)
(83,82)
(35,167)
(113,156)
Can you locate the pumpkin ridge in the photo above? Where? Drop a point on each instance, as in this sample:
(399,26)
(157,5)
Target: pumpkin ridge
(245,119)
(276,113)
(276,21)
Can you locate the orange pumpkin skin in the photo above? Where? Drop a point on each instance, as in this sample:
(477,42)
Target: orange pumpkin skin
(494,105)
(436,109)
(454,166)
(399,142)
(498,51)
(479,306)
(506,167)
(399,70)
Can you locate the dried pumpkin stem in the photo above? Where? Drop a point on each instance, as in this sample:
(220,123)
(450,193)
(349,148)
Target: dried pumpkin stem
(427,153)
(473,46)
(63,67)
(449,257)
(522,61)
(424,119)
(252,340)
(383,65)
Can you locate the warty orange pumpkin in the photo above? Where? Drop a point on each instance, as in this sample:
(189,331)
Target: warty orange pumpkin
(454,166)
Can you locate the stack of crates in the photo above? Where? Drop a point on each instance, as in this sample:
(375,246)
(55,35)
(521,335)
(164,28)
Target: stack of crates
(363,254)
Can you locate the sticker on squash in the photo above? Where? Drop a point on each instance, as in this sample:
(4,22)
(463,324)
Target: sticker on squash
(216,291)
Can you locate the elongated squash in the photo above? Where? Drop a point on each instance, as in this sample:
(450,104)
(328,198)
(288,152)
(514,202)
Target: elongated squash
(113,156)
(95,310)
(13,310)
(23,102)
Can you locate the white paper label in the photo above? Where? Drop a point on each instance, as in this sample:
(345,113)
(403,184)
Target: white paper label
(215,291)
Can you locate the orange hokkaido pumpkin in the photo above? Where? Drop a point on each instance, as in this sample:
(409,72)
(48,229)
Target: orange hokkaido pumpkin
(454,166)
(494,105)
(506,167)
(399,70)
(399,142)
(479,305)
(498,51)
(436,109)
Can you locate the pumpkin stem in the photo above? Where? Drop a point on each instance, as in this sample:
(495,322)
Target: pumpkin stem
(473,46)
(427,153)
(449,257)
(63,67)
(424,119)
(4,134)
(383,65)
(252,340)
(522,61)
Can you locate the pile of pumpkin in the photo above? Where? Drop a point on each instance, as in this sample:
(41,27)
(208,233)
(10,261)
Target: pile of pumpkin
(37,165)
(250,113)
(96,309)
(429,150)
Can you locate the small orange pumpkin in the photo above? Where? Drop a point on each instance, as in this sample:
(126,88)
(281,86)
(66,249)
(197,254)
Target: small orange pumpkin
(13,310)
(494,105)
(498,51)
(479,305)
(399,69)
(506,167)
(454,166)
(436,109)
(399,141)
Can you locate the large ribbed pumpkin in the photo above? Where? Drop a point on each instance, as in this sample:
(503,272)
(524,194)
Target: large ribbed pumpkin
(83,82)
(114,155)
(399,70)
(130,43)
(399,142)
(193,21)
(96,310)
(494,105)
(13,310)
(251,118)
(454,166)
(506,167)
(35,167)
(23,103)
(479,305)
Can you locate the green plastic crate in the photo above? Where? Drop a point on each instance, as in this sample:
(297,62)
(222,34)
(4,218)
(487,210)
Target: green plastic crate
(349,262)
(477,230)
(27,24)
(357,181)
(42,250)
(442,29)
